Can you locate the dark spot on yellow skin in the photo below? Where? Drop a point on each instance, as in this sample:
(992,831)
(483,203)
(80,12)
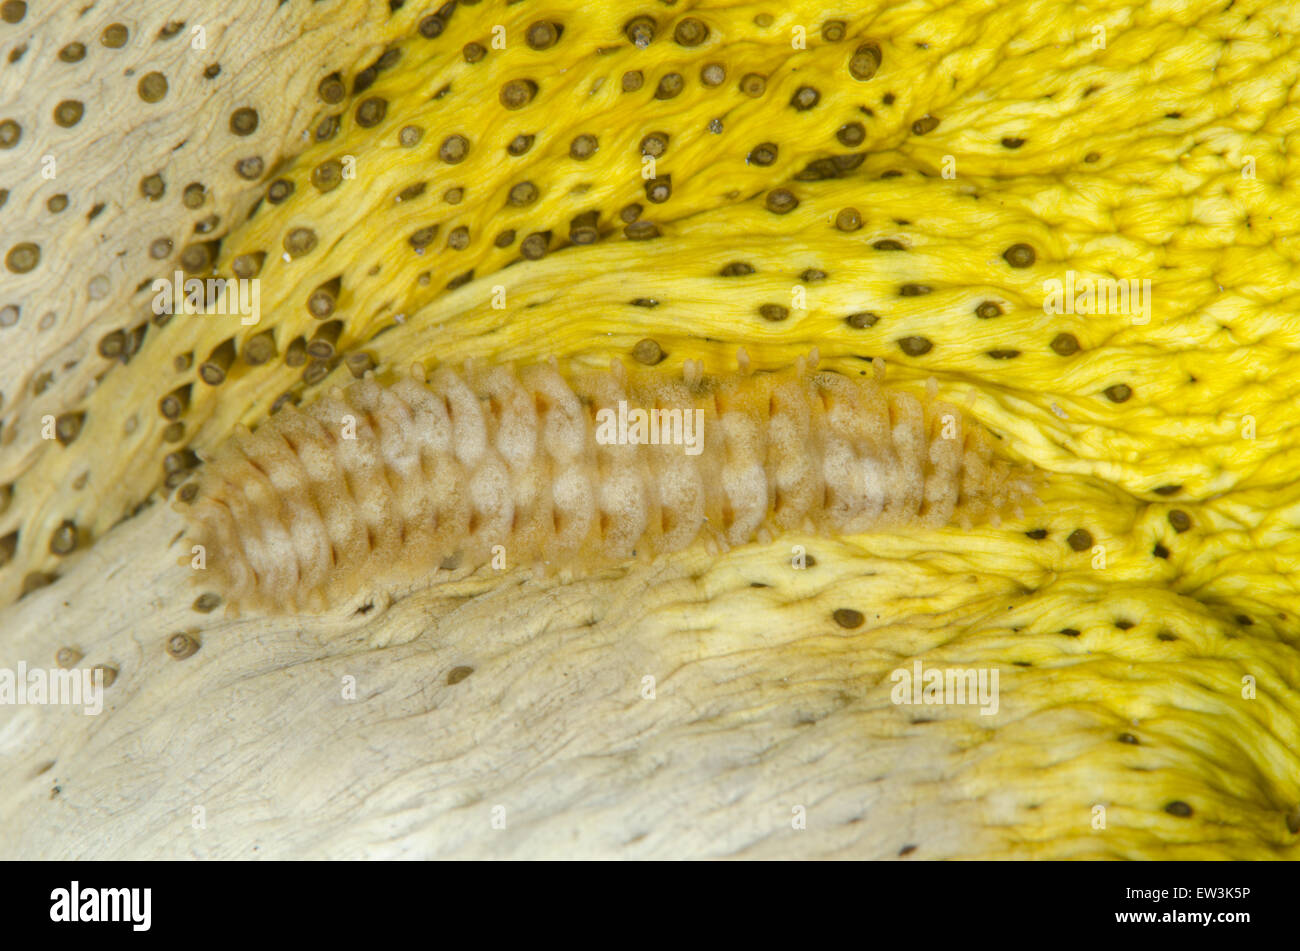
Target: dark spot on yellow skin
(848,618)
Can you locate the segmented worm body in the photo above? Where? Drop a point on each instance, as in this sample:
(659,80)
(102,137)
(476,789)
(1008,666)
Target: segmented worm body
(378,485)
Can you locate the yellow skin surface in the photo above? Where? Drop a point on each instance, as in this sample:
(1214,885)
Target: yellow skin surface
(1107,183)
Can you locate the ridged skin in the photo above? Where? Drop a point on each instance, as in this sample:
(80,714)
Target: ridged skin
(378,486)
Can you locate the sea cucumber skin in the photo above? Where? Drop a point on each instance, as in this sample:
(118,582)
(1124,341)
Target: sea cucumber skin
(378,486)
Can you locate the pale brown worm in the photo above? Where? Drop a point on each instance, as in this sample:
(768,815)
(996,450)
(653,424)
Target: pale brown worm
(381,486)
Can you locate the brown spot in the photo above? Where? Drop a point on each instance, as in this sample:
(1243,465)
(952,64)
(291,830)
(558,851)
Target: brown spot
(1179,808)
(1179,520)
(633,80)
(300,241)
(865,62)
(181,646)
(1119,393)
(915,346)
(68,113)
(543,34)
(114,36)
(535,246)
(279,190)
(248,265)
(64,539)
(153,187)
(518,93)
(583,147)
(176,402)
(371,111)
(774,312)
(659,190)
(152,87)
(112,344)
(296,354)
(67,657)
(670,86)
(848,219)
(1080,539)
(753,85)
(431,27)
(10,134)
(331,89)
(1065,344)
(848,618)
(925,124)
(359,363)
(23,257)
(454,148)
(67,427)
(655,144)
(641,230)
(781,201)
(259,349)
(582,228)
(851,134)
(457,674)
(763,154)
(243,121)
(522,195)
(648,352)
(690,32)
(640,31)
(324,340)
(1020,255)
(862,320)
(804,98)
(8,545)
(327,176)
(213,370)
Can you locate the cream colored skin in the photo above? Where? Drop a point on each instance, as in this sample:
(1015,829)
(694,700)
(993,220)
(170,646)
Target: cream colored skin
(251,737)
